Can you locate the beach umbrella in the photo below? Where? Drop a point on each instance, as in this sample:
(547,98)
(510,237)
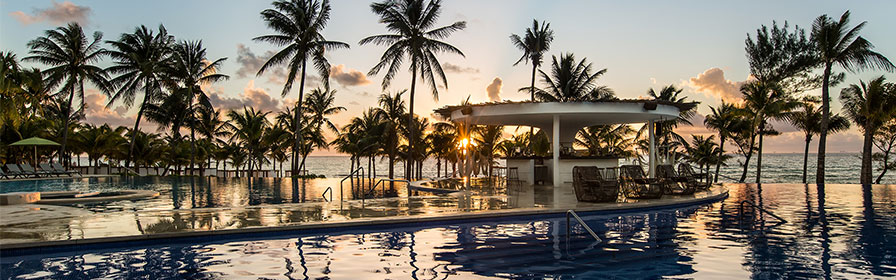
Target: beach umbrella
(35,141)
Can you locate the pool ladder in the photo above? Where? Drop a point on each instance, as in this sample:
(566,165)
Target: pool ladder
(744,202)
(571,213)
(357,172)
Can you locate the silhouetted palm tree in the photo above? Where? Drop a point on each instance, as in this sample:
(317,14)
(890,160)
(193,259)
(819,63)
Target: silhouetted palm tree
(808,120)
(71,58)
(839,44)
(298,27)
(725,119)
(391,111)
(607,140)
(664,131)
(571,81)
(766,102)
(870,106)
(885,141)
(704,152)
(534,44)
(189,70)
(415,37)
(140,59)
(488,137)
(248,128)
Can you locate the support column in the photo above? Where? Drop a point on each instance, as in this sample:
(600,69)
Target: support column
(555,143)
(651,149)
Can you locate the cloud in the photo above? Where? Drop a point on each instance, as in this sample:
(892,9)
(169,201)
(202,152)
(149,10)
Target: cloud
(97,113)
(250,63)
(347,76)
(712,82)
(459,69)
(251,97)
(59,13)
(494,89)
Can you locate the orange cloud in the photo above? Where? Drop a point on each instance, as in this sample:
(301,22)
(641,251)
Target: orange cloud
(59,13)
(713,84)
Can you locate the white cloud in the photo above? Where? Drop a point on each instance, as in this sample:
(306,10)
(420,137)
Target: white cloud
(58,14)
(494,89)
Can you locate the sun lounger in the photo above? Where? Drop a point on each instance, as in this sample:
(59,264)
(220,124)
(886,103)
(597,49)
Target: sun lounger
(673,183)
(27,169)
(49,169)
(685,170)
(15,171)
(58,167)
(636,185)
(590,186)
(3,174)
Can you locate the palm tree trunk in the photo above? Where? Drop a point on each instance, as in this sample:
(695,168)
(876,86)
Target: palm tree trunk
(67,118)
(865,177)
(127,161)
(743,176)
(411,126)
(759,158)
(825,119)
(886,160)
(806,156)
(719,160)
(298,125)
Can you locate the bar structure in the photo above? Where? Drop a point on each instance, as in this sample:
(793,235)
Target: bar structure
(562,120)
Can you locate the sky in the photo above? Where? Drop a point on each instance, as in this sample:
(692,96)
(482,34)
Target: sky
(694,45)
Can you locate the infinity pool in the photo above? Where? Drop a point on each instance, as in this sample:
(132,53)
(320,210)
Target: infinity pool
(836,231)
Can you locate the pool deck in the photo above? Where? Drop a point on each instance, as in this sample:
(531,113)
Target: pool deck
(30,226)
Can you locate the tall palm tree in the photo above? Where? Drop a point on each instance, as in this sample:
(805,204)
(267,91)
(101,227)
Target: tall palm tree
(665,131)
(839,44)
(725,119)
(766,102)
(704,152)
(870,106)
(534,44)
(210,125)
(71,58)
(320,105)
(248,128)
(298,27)
(571,81)
(189,70)
(392,111)
(140,59)
(808,120)
(415,37)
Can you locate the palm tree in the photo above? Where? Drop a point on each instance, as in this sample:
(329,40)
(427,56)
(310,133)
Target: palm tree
(488,138)
(839,44)
(725,119)
(766,102)
(704,152)
(665,131)
(319,106)
(534,44)
(607,140)
(210,125)
(412,23)
(808,120)
(885,141)
(391,111)
(443,141)
(71,57)
(571,81)
(298,27)
(248,128)
(140,59)
(870,106)
(189,70)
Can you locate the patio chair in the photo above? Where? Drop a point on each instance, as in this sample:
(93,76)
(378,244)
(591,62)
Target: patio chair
(27,169)
(686,171)
(58,167)
(50,170)
(3,174)
(591,187)
(636,185)
(15,171)
(674,184)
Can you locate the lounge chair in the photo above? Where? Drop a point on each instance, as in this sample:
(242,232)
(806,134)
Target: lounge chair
(15,171)
(3,174)
(675,184)
(686,171)
(59,168)
(590,186)
(50,170)
(27,169)
(636,185)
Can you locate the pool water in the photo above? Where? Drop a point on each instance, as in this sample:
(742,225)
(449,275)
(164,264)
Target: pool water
(208,192)
(835,231)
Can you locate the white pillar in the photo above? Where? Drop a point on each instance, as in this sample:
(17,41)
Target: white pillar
(651,149)
(556,152)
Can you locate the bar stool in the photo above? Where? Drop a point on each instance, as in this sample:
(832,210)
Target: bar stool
(513,176)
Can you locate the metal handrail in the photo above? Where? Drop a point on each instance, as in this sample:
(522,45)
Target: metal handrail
(574,215)
(384,185)
(354,172)
(324,194)
(742,202)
